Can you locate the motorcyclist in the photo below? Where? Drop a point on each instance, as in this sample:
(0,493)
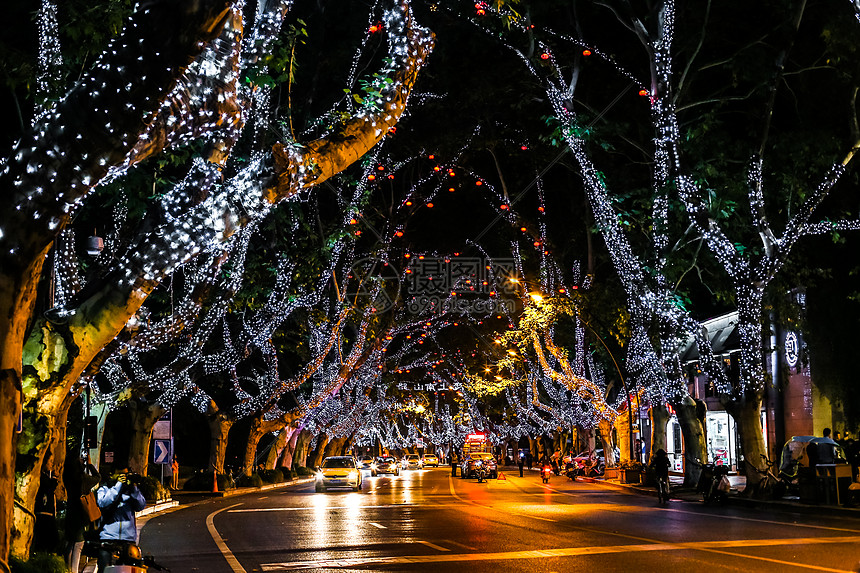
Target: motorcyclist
(118,503)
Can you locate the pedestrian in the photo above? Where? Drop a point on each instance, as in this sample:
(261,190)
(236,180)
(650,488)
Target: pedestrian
(174,468)
(79,479)
(529,459)
(520,462)
(45,534)
(454,464)
(826,432)
(637,450)
(118,502)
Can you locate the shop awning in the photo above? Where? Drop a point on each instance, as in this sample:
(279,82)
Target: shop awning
(722,332)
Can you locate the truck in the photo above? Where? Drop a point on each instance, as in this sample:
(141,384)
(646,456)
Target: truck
(476,443)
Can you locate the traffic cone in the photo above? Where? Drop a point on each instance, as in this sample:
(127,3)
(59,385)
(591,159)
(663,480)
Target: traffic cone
(501,476)
(214,481)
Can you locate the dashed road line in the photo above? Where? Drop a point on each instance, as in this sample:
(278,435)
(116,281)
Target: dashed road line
(321,508)
(377,525)
(432,545)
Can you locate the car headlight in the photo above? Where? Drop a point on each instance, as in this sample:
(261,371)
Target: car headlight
(373,466)
(353,473)
(477,463)
(319,475)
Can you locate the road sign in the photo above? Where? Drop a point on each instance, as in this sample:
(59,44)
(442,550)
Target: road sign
(161,451)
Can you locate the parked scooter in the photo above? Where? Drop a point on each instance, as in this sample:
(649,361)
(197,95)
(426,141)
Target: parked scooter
(545,472)
(127,558)
(713,483)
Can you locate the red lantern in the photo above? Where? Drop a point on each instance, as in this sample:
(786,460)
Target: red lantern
(409,203)
(524,147)
(503,207)
(479,183)
(523,229)
(375,28)
(353,222)
(644,93)
(399,233)
(429,205)
(544,56)
(586,52)
(451,189)
(371,177)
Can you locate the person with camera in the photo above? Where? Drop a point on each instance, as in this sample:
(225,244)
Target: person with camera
(118,503)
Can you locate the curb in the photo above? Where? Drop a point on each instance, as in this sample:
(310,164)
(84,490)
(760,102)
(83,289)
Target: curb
(267,487)
(158,507)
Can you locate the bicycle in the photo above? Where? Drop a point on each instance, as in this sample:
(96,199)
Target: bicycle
(771,481)
(663,489)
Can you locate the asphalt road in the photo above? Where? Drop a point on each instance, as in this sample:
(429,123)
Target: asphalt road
(424,520)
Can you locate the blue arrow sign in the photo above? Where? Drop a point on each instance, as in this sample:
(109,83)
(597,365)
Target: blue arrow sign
(161,451)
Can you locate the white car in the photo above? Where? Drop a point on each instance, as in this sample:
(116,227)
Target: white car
(411,462)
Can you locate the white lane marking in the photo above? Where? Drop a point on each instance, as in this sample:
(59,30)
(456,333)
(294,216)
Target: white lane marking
(458,544)
(219,541)
(432,545)
(263,509)
(571,552)
(377,525)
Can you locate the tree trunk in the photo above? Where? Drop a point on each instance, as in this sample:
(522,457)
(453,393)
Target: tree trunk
(320,451)
(335,447)
(44,431)
(286,458)
(275,452)
(300,457)
(691,417)
(259,428)
(219,429)
(659,415)
(606,440)
(747,415)
(143,417)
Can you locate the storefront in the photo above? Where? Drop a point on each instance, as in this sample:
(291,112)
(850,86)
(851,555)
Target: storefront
(723,442)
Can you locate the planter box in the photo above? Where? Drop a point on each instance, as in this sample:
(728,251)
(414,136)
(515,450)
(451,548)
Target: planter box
(612,473)
(631,476)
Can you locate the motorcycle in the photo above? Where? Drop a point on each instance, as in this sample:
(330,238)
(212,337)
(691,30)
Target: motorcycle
(481,471)
(545,472)
(713,483)
(127,558)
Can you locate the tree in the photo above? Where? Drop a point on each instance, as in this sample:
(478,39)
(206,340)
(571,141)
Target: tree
(660,321)
(184,87)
